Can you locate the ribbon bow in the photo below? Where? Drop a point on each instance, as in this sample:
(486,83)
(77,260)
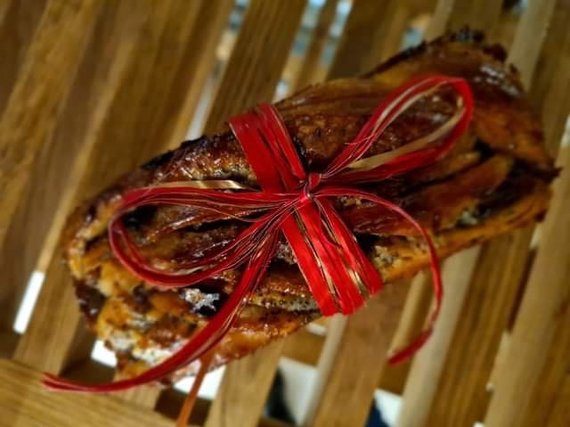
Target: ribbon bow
(297,204)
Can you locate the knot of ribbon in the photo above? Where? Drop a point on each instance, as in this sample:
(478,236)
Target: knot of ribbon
(298,205)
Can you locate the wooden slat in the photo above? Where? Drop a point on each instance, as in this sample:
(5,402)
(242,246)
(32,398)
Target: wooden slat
(461,396)
(304,346)
(42,408)
(8,342)
(560,415)
(551,392)
(399,20)
(351,375)
(251,75)
(412,321)
(50,175)
(4,7)
(29,116)
(454,14)
(428,365)
(363,42)
(143,396)
(244,389)
(550,91)
(312,60)
(258,58)
(544,310)
(51,168)
(213,20)
(18,22)
(129,130)
(530,36)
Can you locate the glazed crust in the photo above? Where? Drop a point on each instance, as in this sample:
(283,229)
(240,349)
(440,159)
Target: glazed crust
(495,179)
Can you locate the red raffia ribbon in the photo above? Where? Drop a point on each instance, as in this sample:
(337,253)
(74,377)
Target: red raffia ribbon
(188,405)
(298,204)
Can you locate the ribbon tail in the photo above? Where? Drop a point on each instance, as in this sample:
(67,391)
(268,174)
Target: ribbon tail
(410,349)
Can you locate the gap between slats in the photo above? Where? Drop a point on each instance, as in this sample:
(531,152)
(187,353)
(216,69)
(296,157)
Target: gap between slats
(30,113)
(491,295)
(108,149)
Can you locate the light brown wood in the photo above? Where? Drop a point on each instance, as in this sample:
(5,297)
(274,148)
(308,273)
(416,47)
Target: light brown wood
(358,361)
(29,117)
(18,23)
(43,81)
(548,404)
(304,346)
(8,341)
(144,396)
(244,389)
(484,315)
(139,76)
(550,91)
(364,40)
(412,321)
(126,132)
(415,311)
(258,58)
(50,173)
(312,60)
(455,14)
(461,394)
(42,408)
(110,49)
(529,37)
(544,307)
(4,7)
(212,22)
(335,333)
(391,40)
(428,365)
(560,415)
(439,19)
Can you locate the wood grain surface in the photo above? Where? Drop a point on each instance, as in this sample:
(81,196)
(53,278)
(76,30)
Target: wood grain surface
(490,300)
(364,40)
(125,122)
(16,32)
(43,80)
(244,389)
(538,357)
(428,365)
(455,14)
(24,403)
(34,97)
(258,58)
(358,361)
(319,38)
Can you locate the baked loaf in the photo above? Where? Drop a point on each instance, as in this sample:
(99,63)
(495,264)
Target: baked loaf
(495,179)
